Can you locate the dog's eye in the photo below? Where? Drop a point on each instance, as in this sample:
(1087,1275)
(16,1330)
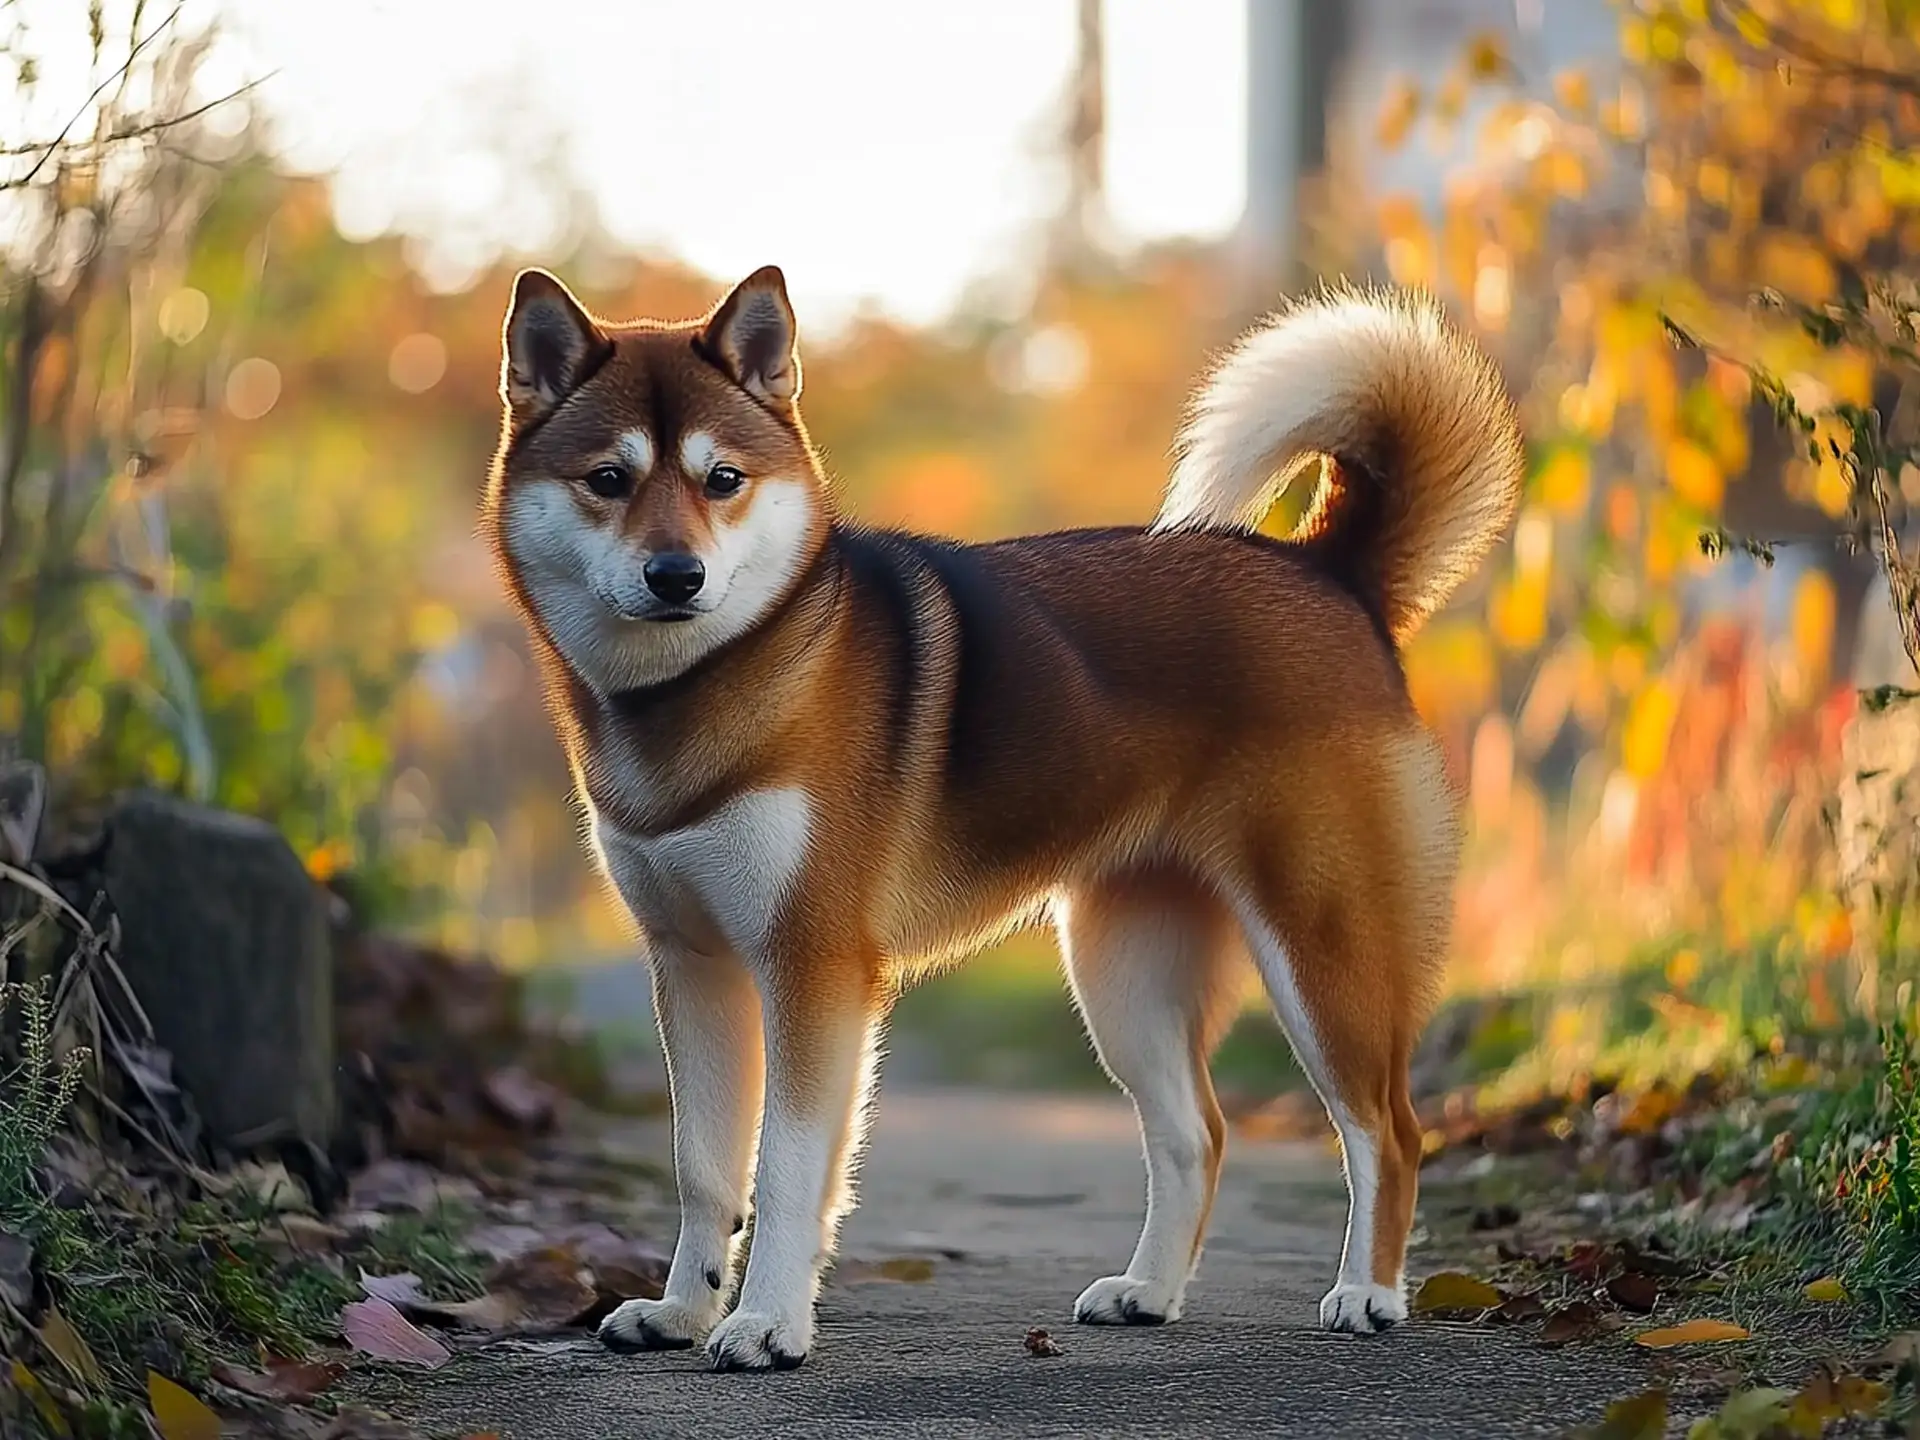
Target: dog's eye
(724,480)
(609,481)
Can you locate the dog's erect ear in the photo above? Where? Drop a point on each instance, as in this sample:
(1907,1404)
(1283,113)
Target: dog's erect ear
(550,345)
(751,337)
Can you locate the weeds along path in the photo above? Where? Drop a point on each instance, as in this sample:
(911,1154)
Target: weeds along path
(1017,1202)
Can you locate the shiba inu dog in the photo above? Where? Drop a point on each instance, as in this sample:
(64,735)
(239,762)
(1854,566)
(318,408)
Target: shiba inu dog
(818,759)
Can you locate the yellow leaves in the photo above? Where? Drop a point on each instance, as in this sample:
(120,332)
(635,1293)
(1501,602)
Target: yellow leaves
(1794,266)
(1826,1290)
(1812,629)
(1451,1292)
(1397,114)
(1573,90)
(1517,612)
(1643,741)
(1752,28)
(63,1342)
(1695,475)
(28,1384)
(1635,1417)
(1487,56)
(1692,1332)
(434,626)
(176,1414)
(1563,481)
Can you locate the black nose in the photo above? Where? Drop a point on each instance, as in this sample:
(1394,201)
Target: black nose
(675,577)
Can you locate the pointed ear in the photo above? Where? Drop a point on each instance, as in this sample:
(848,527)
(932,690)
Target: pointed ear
(751,337)
(550,345)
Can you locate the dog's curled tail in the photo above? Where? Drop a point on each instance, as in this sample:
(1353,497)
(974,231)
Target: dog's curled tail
(1426,448)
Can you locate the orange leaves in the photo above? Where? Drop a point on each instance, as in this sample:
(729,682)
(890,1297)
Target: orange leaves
(1397,114)
(1643,741)
(1695,475)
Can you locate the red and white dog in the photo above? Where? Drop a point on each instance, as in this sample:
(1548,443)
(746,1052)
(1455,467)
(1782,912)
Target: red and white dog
(818,759)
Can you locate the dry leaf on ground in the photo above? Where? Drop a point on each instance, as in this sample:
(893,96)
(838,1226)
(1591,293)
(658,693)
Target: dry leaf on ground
(1691,1332)
(1826,1289)
(177,1414)
(295,1381)
(375,1328)
(540,1290)
(1637,1417)
(1039,1342)
(1452,1293)
(1636,1292)
(1900,1349)
(1578,1321)
(401,1290)
(63,1342)
(1837,1395)
(1517,1308)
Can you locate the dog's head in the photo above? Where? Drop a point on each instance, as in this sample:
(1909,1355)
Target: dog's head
(655,495)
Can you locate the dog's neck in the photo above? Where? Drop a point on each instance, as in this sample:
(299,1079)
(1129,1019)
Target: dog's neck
(653,751)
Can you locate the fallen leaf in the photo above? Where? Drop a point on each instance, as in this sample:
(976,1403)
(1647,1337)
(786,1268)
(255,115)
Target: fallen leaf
(1589,1260)
(1901,1349)
(1826,1289)
(1578,1321)
(1452,1293)
(176,1414)
(375,1328)
(1633,1291)
(540,1290)
(63,1342)
(1691,1332)
(1751,1413)
(1040,1343)
(1836,1395)
(521,1099)
(1517,1308)
(271,1186)
(291,1380)
(28,1384)
(402,1290)
(1637,1417)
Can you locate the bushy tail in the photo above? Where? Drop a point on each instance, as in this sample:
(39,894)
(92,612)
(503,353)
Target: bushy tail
(1427,447)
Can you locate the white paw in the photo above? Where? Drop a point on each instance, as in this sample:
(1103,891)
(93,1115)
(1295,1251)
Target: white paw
(1118,1300)
(760,1340)
(1362,1309)
(657,1325)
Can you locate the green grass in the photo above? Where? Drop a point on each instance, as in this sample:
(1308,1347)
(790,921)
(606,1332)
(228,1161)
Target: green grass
(1005,1019)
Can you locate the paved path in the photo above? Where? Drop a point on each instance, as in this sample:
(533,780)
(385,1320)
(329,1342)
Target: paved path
(1033,1197)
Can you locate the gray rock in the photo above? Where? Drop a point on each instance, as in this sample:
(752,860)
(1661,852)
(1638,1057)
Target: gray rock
(224,939)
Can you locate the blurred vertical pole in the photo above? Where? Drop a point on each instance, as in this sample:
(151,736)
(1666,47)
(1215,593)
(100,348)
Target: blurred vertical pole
(1295,50)
(1082,219)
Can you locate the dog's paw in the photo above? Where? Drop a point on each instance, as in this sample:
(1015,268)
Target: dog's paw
(760,1340)
(1118,1300)
(1362,1309)
(656,1325)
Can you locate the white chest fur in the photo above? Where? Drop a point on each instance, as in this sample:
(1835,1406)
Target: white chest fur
(719,881)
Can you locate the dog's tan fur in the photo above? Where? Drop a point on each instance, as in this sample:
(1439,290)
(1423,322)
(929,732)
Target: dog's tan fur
(1191,745)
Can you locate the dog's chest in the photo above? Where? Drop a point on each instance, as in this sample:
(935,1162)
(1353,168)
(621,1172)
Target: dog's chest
(717,884)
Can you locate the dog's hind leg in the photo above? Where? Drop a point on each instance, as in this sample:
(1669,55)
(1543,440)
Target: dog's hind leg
(1153,961)
(1350,943)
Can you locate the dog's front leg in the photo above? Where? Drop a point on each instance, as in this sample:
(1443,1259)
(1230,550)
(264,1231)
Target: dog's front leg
(709,1014)
(818,1020)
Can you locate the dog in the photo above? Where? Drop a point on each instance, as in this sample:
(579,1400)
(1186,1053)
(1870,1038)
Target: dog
(817,760)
